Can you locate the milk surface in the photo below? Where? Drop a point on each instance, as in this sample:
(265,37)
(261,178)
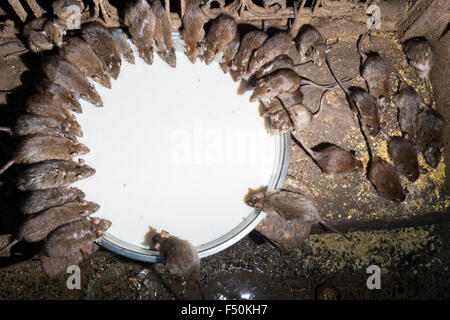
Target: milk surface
(174,149)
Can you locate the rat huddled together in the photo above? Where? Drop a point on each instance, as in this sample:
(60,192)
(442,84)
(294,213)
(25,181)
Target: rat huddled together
(57,214)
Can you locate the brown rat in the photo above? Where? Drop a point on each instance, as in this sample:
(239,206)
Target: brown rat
(45,105)
(381,174)
(103,44)
(377,74)
(81,55)
(52,174)
(280,120)
(141,21)
(362,103)
(221,32)
(276,45)
(55,30)
(280,81)
(327,293)
(330,158)
(62,72)
(304,116)
(43,33)
(163,34)
(404,156)
(280,62)
(230,52)
(124,47)
(290,205)
(39,200)
(408,103)
(37,148)
(430,126)
(311,45)
(384,178)
(31,124)
(422,57)
(180,256)
(48,87)
(292,98)
(35,36)
(193,32)
(22,50)
(36,227)
(74,236)
(250,42)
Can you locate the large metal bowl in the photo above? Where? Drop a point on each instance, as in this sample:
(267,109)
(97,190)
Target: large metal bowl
(275,181)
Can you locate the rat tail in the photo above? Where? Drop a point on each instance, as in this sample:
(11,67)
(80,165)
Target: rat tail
(334,230)
(359,43)
(297,136)
(6,166)
(294,23)
(8,246)
(366,136)
(347,93)
(307,82)
(386,61)
(316,113)
(302,145)
(385,135)
(430,94)
(6,129)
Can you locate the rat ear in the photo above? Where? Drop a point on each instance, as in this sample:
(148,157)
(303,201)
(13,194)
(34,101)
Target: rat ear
(164,233)
(95,220)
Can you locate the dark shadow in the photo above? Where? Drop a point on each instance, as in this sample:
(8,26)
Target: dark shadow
(257,237)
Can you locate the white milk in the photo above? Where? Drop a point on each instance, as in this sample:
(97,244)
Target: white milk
(174,149)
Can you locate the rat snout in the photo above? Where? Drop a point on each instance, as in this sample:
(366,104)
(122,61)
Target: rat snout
(81,149)
(209,56)
(358,164)
(412,176)
(192,54)
(93,207)
(85,171)
(258,92)
(105,224)
(256,200)
(171,58)
(104,80)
